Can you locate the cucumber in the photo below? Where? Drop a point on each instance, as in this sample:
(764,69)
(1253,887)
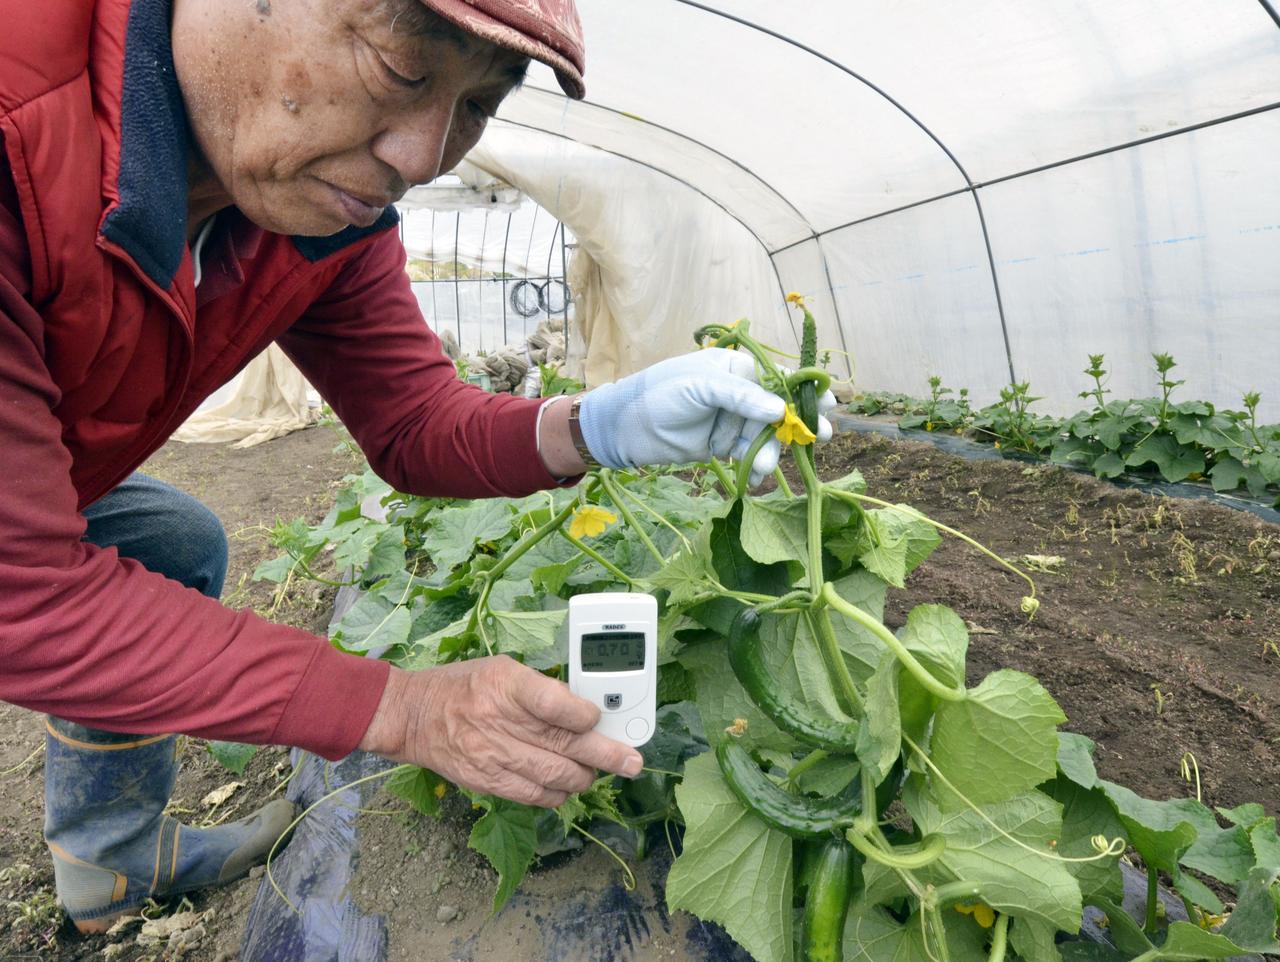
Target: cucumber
(796,816)
(785,712)
(807,392)
(827,905)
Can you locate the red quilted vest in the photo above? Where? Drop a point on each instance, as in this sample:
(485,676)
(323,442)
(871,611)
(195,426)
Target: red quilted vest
(95,135)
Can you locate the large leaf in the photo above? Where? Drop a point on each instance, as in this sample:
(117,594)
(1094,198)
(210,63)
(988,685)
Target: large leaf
(880,737)
(734,869)
(774,529)
(795,661)
(873,935)
(420,787)
(863,650)
(1000,741)
(737,570)
(525,632)
(1176,462)
(687,572)
(1011,877)
(937,636)
(454,534)
(899,541)
(507,836)
(1087,813)
(1162,832)
(1075,759)
(373,623)
(722,701)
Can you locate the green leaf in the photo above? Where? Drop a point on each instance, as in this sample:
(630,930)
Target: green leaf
(372,623)
(1009,877)
(873,935)
(551,579)
(1266,844)
(276,569)
(1174,461)
(1111,430)
(734,869)
(1000,741)
(386,556)
(1222,853)
(1086,813)
(830,776)
(738,571)
(863,649)
(937,636)
(525,632)
(1075,759)
(232,755)
(899,541)
(506,835)
(454,534)
(687,573)
(1252,924)
(795,660)
(1190,943)
(774,530)
(426,651)
(1228,474)
(1109,465)
(880,736)
(1249,814)
(721,700)
(420,787)
(1162,832)
(1034,940)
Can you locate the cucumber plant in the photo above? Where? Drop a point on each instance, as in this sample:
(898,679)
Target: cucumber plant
(845,793)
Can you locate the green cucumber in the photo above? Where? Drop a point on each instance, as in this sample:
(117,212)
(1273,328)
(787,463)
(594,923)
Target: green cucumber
(807,392)
(785,712)
(796,816)
(827,904)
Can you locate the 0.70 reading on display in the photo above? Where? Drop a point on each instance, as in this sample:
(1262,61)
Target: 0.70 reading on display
(613,651)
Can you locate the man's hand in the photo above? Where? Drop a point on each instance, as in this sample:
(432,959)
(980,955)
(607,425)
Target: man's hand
(685,409)
(493,725)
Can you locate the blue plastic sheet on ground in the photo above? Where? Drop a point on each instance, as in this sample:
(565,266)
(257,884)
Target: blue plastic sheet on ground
(314,872)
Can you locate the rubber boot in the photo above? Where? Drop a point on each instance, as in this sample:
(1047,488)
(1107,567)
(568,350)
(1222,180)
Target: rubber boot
(112,845)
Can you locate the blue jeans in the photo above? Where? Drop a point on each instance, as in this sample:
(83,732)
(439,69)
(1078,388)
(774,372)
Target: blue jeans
(164,530)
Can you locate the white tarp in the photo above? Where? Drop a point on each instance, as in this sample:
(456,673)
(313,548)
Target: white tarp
(268,399)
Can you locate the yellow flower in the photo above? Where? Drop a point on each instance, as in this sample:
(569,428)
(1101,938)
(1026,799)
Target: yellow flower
(441,789)
(589,521)
(791,430)
(796,299)
(982,914)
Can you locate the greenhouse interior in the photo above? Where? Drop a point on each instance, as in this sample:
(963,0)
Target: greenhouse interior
(967,652)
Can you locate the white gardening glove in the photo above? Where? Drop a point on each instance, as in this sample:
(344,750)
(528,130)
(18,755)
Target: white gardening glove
(686,409)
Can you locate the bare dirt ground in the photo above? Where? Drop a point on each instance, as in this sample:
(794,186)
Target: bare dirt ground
(1159,634)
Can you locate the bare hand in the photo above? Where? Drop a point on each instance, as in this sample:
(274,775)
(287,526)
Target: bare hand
(495,726)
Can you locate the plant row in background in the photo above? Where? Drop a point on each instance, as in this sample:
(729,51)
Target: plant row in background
(1181,440)
(844,793)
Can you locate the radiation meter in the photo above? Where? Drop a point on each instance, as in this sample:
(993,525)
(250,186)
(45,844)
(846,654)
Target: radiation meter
(613,661)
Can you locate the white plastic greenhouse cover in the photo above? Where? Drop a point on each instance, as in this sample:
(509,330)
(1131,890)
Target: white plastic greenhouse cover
(987,191)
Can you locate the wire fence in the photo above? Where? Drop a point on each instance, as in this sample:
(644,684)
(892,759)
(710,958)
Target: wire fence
(486,313)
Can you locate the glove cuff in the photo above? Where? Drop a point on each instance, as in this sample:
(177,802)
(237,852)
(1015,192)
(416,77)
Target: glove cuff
(600,411)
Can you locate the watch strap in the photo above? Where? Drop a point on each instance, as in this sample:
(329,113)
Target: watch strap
(575,432)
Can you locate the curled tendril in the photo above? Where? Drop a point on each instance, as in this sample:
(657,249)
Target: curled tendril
(1107,846)
(1030,605)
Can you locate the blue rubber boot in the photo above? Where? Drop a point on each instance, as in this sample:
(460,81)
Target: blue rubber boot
(112,845)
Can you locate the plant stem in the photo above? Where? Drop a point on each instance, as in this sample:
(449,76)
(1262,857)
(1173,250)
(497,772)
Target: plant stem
(782,482)
(611,489)
(909,661)
(951,892)
(598,558)
(722,474)
(657,516)
(806,763)
(1153,899)
(999,938)
(820,626)
(928,852)
(813,492)
(744,466)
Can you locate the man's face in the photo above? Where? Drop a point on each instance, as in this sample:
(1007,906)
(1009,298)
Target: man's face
(315,114)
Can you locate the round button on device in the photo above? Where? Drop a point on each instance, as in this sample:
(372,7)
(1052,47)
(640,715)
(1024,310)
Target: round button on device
(637,728)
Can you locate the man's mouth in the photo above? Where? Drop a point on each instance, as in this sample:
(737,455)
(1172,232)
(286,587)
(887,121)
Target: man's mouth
(359,210)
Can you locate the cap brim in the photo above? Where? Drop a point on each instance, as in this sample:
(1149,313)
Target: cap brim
(465,16)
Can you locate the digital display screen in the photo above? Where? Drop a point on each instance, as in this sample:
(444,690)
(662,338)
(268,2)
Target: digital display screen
(613,651)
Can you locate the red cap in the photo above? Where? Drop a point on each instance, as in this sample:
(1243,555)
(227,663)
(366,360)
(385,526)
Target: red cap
(546,30)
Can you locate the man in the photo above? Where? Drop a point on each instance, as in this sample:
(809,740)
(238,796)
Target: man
(182,183)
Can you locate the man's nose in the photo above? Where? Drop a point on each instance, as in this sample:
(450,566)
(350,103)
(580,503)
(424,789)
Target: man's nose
(414,146)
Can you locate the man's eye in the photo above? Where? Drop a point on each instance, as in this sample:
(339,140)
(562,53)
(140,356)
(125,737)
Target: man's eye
(397,78)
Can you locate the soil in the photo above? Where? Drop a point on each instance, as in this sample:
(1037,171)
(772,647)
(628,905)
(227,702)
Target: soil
(1159,634)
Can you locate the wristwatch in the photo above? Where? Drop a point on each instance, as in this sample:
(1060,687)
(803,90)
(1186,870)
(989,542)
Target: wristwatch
(575,432)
